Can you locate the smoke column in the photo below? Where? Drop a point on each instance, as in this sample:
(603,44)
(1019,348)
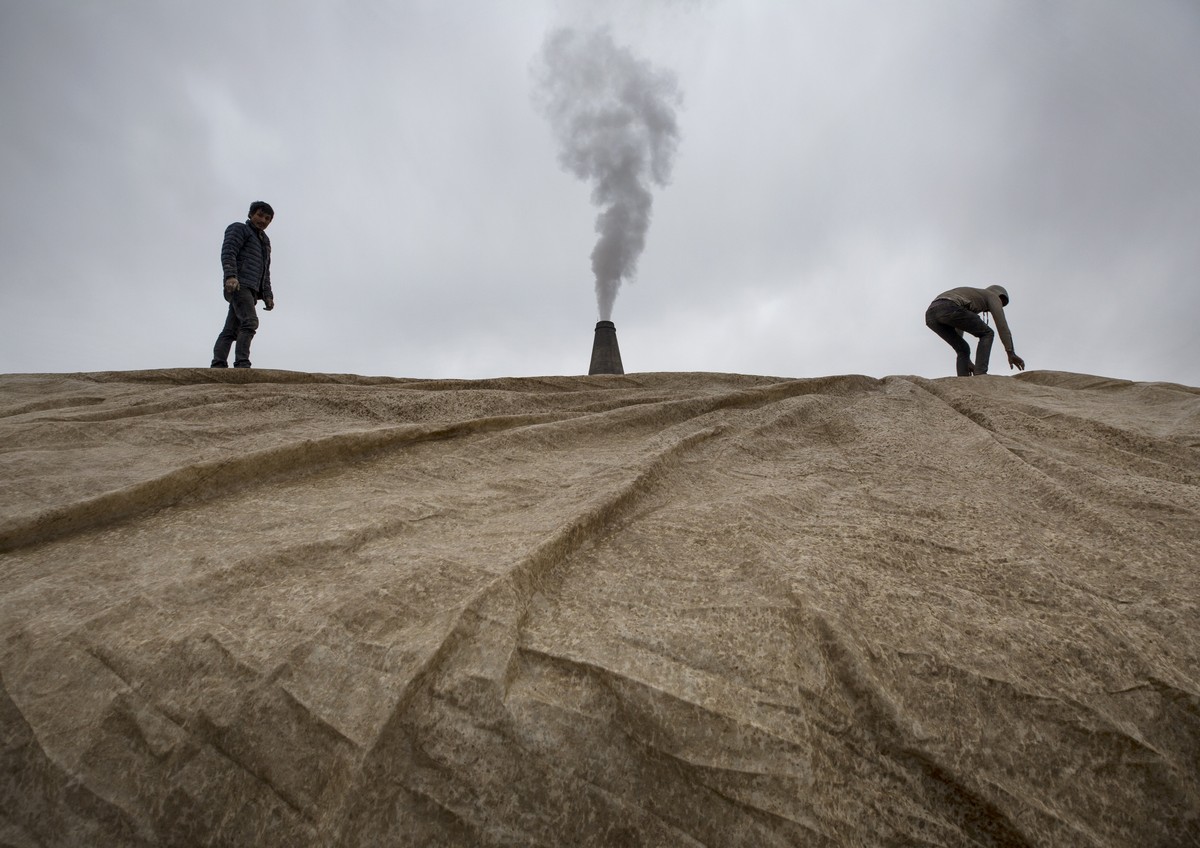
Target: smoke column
(614,117)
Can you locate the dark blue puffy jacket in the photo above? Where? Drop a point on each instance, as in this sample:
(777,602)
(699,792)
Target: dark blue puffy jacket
(246,254)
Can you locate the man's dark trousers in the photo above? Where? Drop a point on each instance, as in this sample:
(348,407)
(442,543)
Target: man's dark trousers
(950,321)
(241,323)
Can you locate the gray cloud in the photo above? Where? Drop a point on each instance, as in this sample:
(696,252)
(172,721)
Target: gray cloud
(844,162)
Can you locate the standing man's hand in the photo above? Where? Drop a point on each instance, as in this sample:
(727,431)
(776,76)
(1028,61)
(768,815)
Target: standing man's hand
(231,284)
(1016,361)
(268,303)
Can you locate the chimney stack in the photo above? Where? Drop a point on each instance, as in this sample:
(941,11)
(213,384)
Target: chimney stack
(606,355)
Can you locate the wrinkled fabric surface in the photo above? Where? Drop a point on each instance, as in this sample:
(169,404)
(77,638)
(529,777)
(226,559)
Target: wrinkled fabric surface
(280,609)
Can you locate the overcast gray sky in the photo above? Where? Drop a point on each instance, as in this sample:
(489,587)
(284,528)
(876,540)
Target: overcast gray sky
(838,163)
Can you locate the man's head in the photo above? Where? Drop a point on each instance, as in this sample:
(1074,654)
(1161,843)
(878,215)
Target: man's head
(260,214)
(1001,291)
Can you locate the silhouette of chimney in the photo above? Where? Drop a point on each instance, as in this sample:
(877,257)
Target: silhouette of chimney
(606,355)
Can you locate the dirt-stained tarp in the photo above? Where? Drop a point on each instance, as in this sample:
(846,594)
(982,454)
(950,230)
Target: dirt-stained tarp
(263,608)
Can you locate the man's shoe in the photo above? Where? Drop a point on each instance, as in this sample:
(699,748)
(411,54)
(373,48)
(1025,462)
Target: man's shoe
(219,365)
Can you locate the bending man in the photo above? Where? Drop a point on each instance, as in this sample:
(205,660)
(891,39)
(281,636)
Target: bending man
(955,312)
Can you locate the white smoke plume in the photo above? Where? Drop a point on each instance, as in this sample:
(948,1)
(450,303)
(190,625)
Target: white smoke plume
(614,116)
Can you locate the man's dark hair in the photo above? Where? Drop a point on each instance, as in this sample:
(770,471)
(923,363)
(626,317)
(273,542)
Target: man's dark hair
(263,205)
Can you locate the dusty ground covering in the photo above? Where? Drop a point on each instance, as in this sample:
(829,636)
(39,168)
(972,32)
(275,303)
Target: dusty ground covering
(279,609)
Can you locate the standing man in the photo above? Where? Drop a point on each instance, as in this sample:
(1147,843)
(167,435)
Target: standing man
(246,265)
(957,311)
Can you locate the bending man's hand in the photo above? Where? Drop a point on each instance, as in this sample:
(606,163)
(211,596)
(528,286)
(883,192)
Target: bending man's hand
(269,304)
(1018,362)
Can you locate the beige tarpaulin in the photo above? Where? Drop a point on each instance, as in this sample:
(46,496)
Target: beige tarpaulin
(263,608)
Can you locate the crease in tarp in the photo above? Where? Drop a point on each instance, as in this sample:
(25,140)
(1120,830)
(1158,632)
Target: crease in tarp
(654,823)
(1061,493)
(43,800)
(880,717)
(519,583)
(212,478)
(612,680)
